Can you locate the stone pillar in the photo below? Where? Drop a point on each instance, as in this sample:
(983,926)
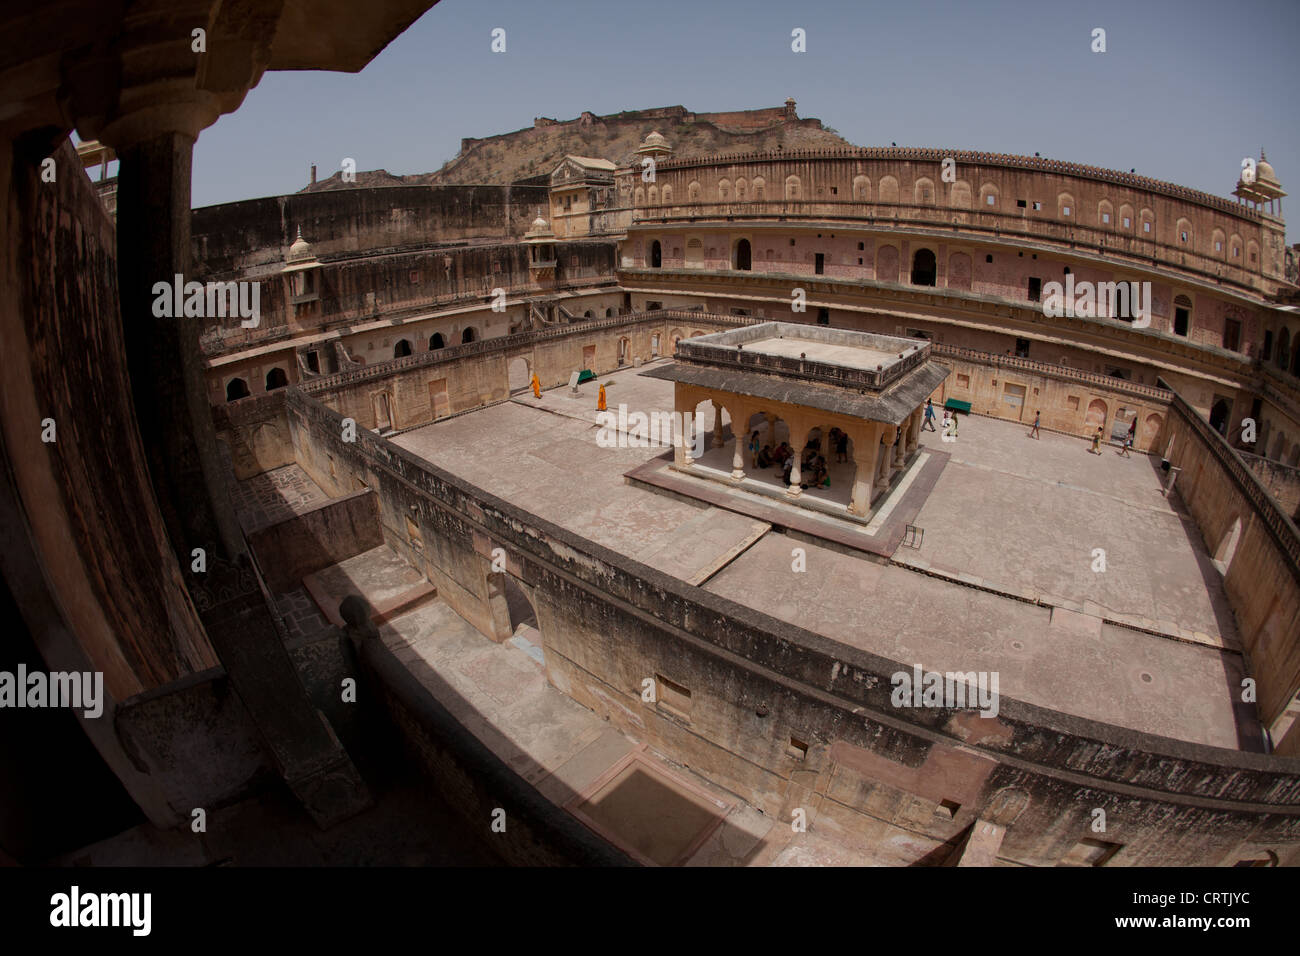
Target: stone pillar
(771,428)
(914,431)
(740,434)
(682,433)
(718,440)
(866,449)
(900,447)
(884,450)
(798,436)
(169,392)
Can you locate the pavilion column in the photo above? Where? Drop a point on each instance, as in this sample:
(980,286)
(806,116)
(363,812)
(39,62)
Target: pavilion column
(798,437)
(718,440)
(913,431)
(900,446)
(684,407)
(771,428)
(866,449)
(740,433)
(883,451)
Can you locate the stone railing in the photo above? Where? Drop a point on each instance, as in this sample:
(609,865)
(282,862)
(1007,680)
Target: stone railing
(506,343)
(1282,529)
(1108,382)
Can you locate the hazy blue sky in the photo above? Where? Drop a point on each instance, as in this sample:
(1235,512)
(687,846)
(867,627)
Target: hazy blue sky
(1184,91)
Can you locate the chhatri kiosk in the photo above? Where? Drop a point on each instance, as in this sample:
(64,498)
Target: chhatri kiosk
(872,387)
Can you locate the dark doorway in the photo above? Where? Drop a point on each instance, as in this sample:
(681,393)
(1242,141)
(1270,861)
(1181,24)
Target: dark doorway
(436,342)
(276,379)
(823,316)
(1231,334)
(924,270)
(313,360)
(1181,317)
(819,263)
(1219,416)
(401,349)
(1035,288)
(1268,346)
(237,389)
(467,336)
(656,255)
(1022,348)
(743,255)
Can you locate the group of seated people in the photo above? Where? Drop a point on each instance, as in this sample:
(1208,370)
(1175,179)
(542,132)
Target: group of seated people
(812,464)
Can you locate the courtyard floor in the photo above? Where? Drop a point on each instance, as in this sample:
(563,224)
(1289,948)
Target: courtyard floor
(1003,580)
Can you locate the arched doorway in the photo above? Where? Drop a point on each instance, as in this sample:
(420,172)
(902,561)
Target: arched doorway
(276,378)
(402,349)
(436,342)
(744,256)
(236,389)
(924,269)
(676,336)
(1219,416)
(467,336)
(1096,417)
(624,346)
(518,374)
(656,255)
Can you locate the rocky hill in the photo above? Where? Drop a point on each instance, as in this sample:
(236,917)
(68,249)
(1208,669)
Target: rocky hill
(530,153)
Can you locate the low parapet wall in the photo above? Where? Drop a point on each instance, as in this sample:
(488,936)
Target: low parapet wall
(1248,534)
(756,686)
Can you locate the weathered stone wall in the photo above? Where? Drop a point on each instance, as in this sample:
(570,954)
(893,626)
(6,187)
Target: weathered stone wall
(255,433)
(1245,530)
(234,240)
(1075,404)
(607,623)
(1282,481)
(316,538)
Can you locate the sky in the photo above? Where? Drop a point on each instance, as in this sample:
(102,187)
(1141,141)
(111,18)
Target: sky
(1183,92)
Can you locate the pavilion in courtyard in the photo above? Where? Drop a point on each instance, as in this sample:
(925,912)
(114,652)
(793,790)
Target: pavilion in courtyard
(811,379)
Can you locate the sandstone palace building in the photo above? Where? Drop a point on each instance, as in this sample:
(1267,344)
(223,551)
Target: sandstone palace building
(539,621)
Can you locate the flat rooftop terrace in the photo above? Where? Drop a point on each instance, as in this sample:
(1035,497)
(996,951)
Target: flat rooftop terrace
(1003,580)
(850,355)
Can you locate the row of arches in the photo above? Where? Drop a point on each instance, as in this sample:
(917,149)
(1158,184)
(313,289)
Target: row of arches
(404,347)
(1287,354)
(237,388)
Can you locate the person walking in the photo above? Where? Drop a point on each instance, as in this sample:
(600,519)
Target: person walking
(600,399)
(753,450)
(1033,432)
(1124,448)
(929,415)
(1132,431)
(537,386)
(1096,442)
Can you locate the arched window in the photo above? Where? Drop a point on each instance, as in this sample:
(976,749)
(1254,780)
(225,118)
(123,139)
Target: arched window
(236,389)
(760,185)
(861,189)
(742,190)
(436,342)
(923,267)
(743,255)
(402,348)
(1105,214)
(960,196)
(724,190)
(923,192)
(888,189)
(609,313)
(1219,412)
(667,194)
(276,378)
(1283,348)
(656,255)
(467,336)
(652,196)
(693,192)
(639,197)
(792,187)
(988,195)
(589,314)
(1267,352)
(1065,206)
